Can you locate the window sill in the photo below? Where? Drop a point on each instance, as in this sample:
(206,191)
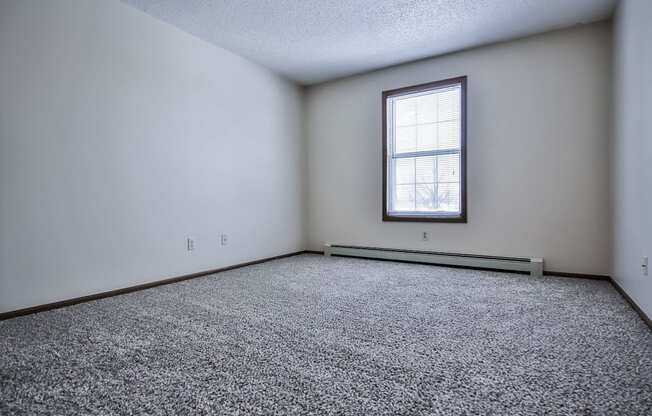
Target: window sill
(425,218)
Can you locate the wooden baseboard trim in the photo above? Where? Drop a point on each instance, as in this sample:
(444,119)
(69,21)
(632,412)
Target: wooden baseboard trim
(116,292)
(577,275)
(631,302)
(451,266)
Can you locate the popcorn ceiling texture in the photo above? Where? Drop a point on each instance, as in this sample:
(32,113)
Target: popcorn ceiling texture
(310,41)
(317,335)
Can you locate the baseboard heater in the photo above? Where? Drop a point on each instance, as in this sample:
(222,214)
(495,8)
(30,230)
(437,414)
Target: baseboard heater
(534,266)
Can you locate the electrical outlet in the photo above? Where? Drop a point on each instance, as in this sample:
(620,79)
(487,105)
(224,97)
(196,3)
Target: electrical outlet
(644,266)
(190,244)
(425,236)
(224,239)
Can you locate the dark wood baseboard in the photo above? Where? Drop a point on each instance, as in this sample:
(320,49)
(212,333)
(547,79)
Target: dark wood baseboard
(631,302)
(450,266)
(577,275)
(96,296)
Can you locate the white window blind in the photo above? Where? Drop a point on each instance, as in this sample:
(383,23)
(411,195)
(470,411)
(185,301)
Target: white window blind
(424,152)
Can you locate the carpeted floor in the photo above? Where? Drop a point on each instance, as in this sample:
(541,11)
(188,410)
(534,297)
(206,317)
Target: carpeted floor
(316,335)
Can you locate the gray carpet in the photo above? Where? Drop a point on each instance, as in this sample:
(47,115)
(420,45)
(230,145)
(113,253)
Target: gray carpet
(316,335)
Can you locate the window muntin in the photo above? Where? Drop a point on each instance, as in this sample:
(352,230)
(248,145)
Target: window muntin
(424,152)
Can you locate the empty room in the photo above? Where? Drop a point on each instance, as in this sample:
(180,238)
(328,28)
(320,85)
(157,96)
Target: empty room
(325,207)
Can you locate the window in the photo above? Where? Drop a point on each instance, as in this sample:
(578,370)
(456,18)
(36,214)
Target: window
(424,152)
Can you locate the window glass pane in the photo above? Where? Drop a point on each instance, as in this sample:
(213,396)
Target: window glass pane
(426,137)
(406,139)
(425,169)
(448,135)
(448,168)
(448,197)
(406,111)
(404,198)
(426,108)
(404,170)
(448,105)
(425,197)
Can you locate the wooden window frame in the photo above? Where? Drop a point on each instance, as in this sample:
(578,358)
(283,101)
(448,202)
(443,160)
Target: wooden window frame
(462,216)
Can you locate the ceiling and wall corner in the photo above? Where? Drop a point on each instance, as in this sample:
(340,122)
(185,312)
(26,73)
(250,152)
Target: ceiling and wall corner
(312,41)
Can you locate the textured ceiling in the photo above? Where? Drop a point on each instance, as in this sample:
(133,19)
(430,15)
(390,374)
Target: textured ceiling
(311,41)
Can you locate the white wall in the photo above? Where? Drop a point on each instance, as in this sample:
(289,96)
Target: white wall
(119,137)
(632,150)
(538,137)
